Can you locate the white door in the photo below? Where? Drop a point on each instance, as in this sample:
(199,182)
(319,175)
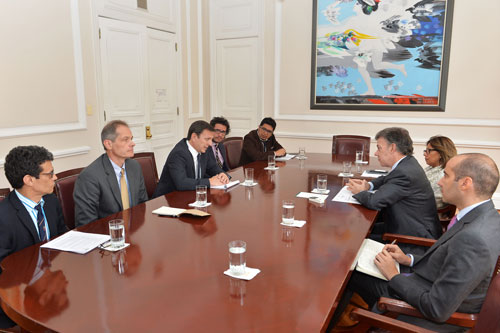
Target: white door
(139,83)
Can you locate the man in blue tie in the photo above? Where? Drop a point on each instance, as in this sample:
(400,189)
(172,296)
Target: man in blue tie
(31,213)
(188,163)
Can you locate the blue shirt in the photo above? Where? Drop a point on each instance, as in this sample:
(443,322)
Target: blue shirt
(118,173)
(30,207)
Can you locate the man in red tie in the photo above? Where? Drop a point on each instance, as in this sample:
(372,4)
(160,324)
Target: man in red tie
(453,274)
(31,213)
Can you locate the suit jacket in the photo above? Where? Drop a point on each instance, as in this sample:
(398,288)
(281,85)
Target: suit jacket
(406,201)
(211,156)
(253,148)
(97,193)
(179,174)
(454,274)
(17,230)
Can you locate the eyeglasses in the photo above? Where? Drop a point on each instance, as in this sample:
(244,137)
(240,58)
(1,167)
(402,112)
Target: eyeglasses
(50,174)
(429,150)
(220,131)
(266,130)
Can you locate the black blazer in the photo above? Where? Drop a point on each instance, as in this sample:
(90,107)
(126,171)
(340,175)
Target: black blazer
(406,200)
(17,230)
(211,156)
(178,173)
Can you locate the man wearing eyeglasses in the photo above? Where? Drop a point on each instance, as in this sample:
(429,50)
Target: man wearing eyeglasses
(217,153)
(30,213)
(261,143)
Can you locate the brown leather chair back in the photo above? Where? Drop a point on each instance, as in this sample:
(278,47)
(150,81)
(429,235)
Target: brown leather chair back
(149,171)
(4,192)
(64,186)
(233,148)
(489,318)
(349,144)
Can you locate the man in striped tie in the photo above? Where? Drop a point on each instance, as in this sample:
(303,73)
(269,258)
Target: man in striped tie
(31,213)
(221,129)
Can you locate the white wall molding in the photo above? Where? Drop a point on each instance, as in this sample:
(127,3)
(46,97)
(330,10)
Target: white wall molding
(417,141)
(63,153)
(199,54)
(79,85)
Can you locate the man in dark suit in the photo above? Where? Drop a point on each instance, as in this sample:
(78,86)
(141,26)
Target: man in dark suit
(221,129)
(188,164)
(114,181)
(404,196)
(453,274)
(260,143)
(31,213)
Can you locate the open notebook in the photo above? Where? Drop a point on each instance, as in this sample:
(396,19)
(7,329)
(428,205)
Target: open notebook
(366,257)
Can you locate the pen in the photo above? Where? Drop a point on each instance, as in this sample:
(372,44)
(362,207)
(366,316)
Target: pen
(394,242)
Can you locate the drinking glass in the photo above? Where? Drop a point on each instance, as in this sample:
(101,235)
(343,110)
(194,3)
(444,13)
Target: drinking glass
(249,176)
(359,156)
(201,195)
(288,211)
(271,162)
(117,233)
(347,167)
(302,153)
(237,257)
(322,183)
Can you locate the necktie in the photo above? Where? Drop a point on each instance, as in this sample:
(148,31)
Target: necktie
(198,169)
(452,222)
(124,190)
(217,158)
(40,220)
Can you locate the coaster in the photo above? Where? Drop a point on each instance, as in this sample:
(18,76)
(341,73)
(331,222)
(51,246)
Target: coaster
(301,157)
(268,168)
(194,204)
(107,247)
(250,273)
(249,185)
(320,191)
(295,223)
(346,174)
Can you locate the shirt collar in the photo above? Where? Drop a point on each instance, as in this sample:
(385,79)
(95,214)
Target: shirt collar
(396,164)
(28,202)
(117,168)
(469,208)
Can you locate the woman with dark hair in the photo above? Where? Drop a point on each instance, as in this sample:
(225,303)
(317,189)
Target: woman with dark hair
(439,151)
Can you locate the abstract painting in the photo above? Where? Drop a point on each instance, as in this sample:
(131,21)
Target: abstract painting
(380,54)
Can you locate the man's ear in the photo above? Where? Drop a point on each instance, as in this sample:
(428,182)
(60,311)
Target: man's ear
(107,144)
(466,183)
(28,180)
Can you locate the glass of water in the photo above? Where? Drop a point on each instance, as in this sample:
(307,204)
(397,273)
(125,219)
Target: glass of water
(288,211)
(302,153)
(117,233)
(201,195)
(249,176)
(322,183)
(237,257)
(271,162)
(347,167)
(359,156)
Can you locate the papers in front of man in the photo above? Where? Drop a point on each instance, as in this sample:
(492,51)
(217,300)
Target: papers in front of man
(287,157)
(319,198)
(365,259)
(76,241)
(226,186)
(176,212)
(374,173)
(345,195)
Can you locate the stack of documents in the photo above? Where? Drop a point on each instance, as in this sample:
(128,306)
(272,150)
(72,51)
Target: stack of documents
(76,241)
(345,195)
(287,157)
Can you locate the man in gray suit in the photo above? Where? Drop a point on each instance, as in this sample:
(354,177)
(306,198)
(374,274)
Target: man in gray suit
(114,181)
(189,165)
(404,196)
(453,274)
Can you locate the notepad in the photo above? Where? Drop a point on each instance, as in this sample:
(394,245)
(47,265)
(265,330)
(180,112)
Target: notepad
(176,212)
(366,257)
(226,186)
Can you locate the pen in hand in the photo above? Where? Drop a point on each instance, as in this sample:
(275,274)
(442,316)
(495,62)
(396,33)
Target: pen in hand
(394,242)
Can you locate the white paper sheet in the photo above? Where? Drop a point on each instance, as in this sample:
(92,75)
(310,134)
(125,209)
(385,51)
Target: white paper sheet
(369,174)
(287,157)
(76,241)
(226,186)
(345,195)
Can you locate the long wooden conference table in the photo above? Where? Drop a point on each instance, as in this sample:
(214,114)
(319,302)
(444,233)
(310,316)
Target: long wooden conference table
(170,279)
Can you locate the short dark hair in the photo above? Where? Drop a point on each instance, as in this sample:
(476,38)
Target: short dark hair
(25,160)
(270,121)
(483,171)
(400,137)
(220,120)
(197,127)
(444,146)
(109,131)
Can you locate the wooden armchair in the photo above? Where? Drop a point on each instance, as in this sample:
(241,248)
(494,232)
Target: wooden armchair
(393,307)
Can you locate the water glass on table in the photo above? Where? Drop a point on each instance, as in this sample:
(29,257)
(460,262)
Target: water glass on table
(359,156)
(117,233)
(249,176)
(271,162)
(302,153)
(347,167)
(322,183)
(201,195)
(288,211)
(237,257)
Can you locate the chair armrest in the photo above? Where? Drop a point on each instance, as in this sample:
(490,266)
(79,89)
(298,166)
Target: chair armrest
(409,239)
(375,319)
(393,306)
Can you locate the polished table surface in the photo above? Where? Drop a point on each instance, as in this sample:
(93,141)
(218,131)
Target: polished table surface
(171,277)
